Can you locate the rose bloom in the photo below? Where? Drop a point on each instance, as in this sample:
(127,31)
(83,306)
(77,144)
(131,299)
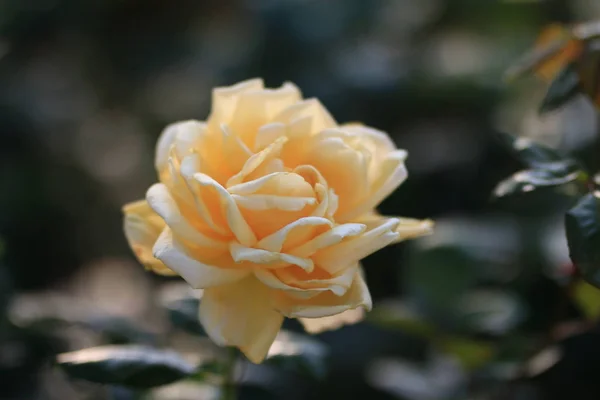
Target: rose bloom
(269,206)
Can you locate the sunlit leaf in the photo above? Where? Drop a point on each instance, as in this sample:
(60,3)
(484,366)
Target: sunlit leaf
(132,366)
(491,311)
(563,88)
(471,353)
(587,298)
(583,235)
(529,151)
(396,315)
(550,174)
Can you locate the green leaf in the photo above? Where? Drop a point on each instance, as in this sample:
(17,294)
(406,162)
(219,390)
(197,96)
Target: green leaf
(583,236)
(131,366)
(183,313)
(546,175)
(299,354)
(490,311)
(396,315)
(587,298)
(437,279)
(529,151)
(562,89)
(471,353)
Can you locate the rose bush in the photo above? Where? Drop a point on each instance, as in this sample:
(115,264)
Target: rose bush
(269,206)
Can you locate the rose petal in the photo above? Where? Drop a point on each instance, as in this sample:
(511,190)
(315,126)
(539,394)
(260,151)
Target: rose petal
(326,303)
(160,200)
(327,239)
(237,224)
(392,174)
(142,227)
(241,315)
(332,322)
(294,234)
(266,258)
(198,274)
(351,251)
(224,99)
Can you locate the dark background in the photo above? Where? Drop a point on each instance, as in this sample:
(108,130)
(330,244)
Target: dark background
(87,87)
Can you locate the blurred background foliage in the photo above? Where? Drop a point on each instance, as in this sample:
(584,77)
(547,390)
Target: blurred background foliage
(484,309)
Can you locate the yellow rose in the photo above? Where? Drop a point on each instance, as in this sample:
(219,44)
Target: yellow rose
(269,206)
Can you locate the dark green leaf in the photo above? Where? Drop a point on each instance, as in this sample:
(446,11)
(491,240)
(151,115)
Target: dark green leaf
(396,315)
(562,89)
(437,279)
(299,354)
(210,368)
(471,353)
(183,313)
(530,152)
(550,174)
(131,366)
(583,235)
(491,312)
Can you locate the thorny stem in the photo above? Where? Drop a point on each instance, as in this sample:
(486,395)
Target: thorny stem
(228,391)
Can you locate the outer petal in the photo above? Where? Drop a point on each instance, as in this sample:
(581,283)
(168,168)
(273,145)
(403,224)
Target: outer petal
(142,227)
(225,99)
(241,315)
(409,228)
(358,247)
(198,274)
(327,303)
(392,172)
(348,317)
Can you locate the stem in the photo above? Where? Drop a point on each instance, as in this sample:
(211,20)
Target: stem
(228,391)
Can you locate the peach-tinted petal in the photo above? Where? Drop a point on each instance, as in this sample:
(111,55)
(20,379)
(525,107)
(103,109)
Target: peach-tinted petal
(241,315)
(294,234)
(255,161)
(198,274)
(408,228)
(312,109)
(332,322)
(326,303)
(224,99)
(351,251)
(227,206)
(160,200)
(142,227)
(391,175)
(268,259)
(327,239)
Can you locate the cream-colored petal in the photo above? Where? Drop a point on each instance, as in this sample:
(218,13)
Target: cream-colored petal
(181,135)
(241,315)
(191,165)
(327,303)
(262,202)
(294,234)
(198,274)
(338,284)
(268,134)
(320,118)
(237,224)
(269,153)
(258,107)
(267,259)
(409,228)
(327,239)
(142,228)
(392,174)
(333,322)
(353,250)
(224,99)
(160,200)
